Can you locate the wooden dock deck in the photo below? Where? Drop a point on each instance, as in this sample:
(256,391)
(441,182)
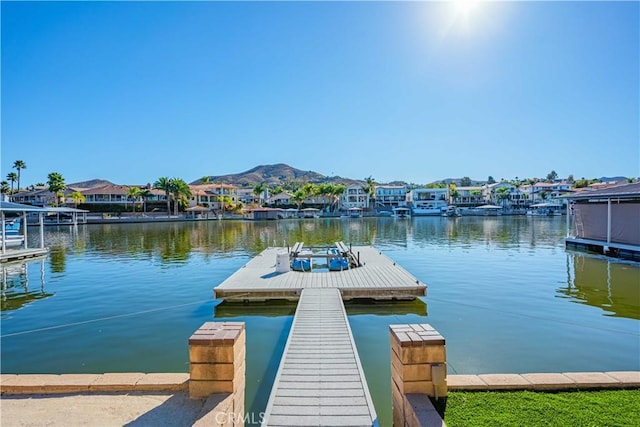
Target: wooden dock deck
(320,380)
(21,254)
(379,277)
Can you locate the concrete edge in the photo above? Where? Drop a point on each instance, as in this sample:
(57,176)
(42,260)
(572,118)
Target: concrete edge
(11,384)
(615,380)
(166,382)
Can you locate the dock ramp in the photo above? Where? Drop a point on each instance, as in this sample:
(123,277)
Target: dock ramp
(320,380)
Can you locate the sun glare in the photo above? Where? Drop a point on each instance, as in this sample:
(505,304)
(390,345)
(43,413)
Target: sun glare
(465,7)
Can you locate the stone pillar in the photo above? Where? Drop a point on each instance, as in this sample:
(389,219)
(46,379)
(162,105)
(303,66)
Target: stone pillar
(418,366)
(216,356)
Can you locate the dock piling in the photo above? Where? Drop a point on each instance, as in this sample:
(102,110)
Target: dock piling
(217,360)
(418,374)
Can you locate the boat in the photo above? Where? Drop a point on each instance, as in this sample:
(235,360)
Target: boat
(355,212)
(401,212)
(337,262)
(309,213)
(452,212)
(12,236)
(301,264)
(429,209)
(545,209)
(489,210)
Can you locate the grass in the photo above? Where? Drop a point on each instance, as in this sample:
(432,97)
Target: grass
(527,408)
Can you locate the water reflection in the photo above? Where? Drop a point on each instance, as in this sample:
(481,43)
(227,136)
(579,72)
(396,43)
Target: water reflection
(16,292)
(175,243)
(610,285)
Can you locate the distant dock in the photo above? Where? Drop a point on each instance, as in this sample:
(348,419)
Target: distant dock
(378,277)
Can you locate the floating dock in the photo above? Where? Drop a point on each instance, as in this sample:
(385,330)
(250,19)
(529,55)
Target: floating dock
(320,380)
(612,249)
(378,277)
(22,254)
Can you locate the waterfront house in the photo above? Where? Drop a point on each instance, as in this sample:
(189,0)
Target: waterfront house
(468,197)
(211,195)
(606,220)
(106,194)
(281,199)
(354,196)
(428,201)
(247,197)
(34,196)
(390,196)
(506,195)
(540,192)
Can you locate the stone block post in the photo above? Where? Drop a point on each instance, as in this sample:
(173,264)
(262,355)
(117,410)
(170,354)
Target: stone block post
(217,360)
(418,366)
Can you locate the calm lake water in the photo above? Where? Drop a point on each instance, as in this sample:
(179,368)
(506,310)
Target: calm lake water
(504,292)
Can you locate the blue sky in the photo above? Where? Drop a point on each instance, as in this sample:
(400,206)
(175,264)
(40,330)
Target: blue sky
(419,91)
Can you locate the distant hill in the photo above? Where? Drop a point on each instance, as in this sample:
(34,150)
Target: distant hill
(612,178)
(279,174)
(91,183)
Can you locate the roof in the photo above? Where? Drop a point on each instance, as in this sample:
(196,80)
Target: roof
(18,207)
(623,191)
(65,209)
(106,189)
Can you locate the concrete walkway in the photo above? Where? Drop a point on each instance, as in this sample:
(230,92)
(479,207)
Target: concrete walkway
(136,399)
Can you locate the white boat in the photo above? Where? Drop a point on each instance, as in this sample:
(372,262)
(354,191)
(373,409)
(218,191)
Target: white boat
(355,212)
(435,208)
(309,213)
(545,209)
(489,210)
(451,212)
(401,212)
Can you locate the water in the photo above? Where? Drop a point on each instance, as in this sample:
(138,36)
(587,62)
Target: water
(503,291)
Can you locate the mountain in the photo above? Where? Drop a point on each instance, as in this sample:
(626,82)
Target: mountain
(279,174)
(91,183)
(612,178)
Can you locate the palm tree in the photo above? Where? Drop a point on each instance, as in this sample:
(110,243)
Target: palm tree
(298,197)
(19,165)
(325,190)
(336,192)
(258,190)
(56,184)
(134,193)
(4,187)
(164,184)
(502,194)
(370,188)
(205,180)
(144,194)
(225,201)
(12,177)
(78,198)
(453,193)
(181,192)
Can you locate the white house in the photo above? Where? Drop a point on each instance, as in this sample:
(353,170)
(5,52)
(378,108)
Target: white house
(428,201)
(468,197)
(390,196)
(354,196)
